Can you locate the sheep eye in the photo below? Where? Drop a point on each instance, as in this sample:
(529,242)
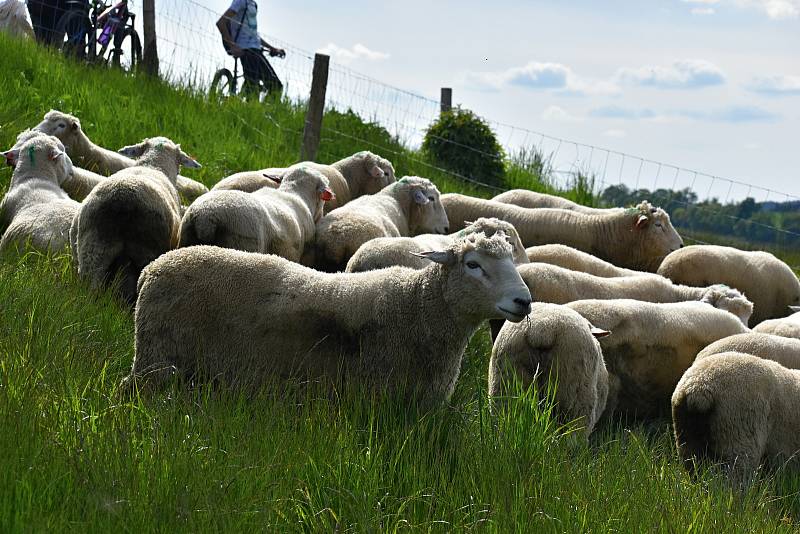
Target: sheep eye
(431,199)
(473,265)
(62,125)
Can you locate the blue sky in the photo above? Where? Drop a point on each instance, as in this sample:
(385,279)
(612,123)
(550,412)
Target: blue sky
(711,85)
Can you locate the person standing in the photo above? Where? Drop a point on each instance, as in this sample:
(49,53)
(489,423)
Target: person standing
(239,29)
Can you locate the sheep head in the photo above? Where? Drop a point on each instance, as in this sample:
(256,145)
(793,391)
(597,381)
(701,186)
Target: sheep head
(160,153)
(482,281)
(492,225)
(729,299)
(654,233)
(312,184)
(64,126)
(425,212)
(41,156)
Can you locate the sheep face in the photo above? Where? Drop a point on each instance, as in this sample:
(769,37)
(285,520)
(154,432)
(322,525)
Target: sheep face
(379,172)
(41,156)
(427,213)
(655,234)
(160,149)
(312,183)
(483,279)
(729,299)
(62,125)
(492,225)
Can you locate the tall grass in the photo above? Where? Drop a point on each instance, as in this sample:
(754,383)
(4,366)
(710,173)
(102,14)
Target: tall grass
(75,457)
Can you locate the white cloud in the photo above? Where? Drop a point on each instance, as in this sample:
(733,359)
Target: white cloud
(348,55)
(683,74)
(731,114)
(775,9)
(556,113)
(540,76)
(776,85)
(703,11)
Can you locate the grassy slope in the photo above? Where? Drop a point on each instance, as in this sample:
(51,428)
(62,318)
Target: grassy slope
(73,457)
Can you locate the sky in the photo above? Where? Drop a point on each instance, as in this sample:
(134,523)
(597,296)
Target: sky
(705,85)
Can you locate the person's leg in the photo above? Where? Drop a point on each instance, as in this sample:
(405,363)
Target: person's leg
(271,81)
(251,66)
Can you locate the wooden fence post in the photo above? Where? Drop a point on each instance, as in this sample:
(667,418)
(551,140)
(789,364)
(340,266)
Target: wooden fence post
(150,48)
(446,99)
(316,106)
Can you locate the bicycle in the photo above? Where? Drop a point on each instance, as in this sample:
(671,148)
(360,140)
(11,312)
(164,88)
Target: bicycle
(226,83)
(90,30)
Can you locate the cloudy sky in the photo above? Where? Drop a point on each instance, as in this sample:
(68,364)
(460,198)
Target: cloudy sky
(710,85)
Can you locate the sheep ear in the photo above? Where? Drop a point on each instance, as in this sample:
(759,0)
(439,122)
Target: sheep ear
(420,197)
(795,308)
(11,155)
(55,153)
(277,178)
(375,171)
(188,161)
(76,125)
(326,194)
(133,151)
(642,221)
(445,257)
(599,332)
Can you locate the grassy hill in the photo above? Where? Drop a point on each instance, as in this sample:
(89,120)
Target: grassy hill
(73,457)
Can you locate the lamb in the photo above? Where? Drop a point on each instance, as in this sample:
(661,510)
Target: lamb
(577,260)
(271,221)
(404,251)
(93,157)
(550,283)
(131,218)
(35,210)
(786,327)
(785,351)
(652,345)
(363,173)
(737,410)
(635,238)
(554,343)
(766,280)
(530,199)
(246,318)
(408,207)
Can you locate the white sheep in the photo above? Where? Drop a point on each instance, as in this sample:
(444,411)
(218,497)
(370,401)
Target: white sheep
(131,218)
(554,343)
(35,211)
(763,278)
(737,410)
(577,260)
(271,221)
(635,238)
(408,207)
(784,350)
(651,346)
(363,173)
(550,283)
(96,158)
(14,19)
(243,319)
(405,251)
(786,327)
(532,200)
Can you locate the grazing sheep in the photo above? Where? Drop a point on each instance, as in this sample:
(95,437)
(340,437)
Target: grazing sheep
(245,318)
(14,19)
(405,251)
(737,410)
(763,278)
(651,347)
(554,343)
(784,350)
(635,238)
(406,208)
(35,211)
(532,200)
(550,283)
(131,218)
(786,327)
(91,156)
(577,260)
(271,221)
(363,173)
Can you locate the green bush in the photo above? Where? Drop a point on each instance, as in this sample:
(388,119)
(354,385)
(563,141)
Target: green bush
(463,143)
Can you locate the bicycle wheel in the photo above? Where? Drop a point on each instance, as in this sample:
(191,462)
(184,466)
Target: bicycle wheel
(128,41)
(74,27)
(222,84)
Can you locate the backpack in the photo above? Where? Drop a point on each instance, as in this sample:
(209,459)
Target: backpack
(225,43)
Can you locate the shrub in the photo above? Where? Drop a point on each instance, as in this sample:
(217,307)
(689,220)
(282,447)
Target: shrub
(462,142)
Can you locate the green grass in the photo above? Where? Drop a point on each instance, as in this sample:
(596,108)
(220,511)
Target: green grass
(74,457)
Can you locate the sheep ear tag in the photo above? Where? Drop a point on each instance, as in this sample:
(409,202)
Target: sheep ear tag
(599,332)
(642,221)
(420,198)
(327,194)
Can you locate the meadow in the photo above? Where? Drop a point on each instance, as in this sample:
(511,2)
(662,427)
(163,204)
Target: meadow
(74,456)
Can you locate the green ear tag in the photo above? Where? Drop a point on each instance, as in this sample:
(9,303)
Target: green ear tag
(31,156)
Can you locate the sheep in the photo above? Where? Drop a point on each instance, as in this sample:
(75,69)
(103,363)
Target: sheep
(635,238)
(14,19)
(766,280)
(786,327)
(530,199)
(403,251)
(93,157)
(35,211)
(550,283)
(248,317)
(651,346)
(784,350)
(277,221)
(408,207)
(363,173)
(577,260)
(131,218)
(737,410)
(555,343)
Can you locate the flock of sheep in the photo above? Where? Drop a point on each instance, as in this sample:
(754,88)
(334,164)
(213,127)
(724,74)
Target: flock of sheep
(345,274)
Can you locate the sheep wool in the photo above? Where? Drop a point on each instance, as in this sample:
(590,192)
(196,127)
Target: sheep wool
(784,350)
(532,200)
(786,327)
(577,260)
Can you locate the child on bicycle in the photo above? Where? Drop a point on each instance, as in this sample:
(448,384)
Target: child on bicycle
(239,29)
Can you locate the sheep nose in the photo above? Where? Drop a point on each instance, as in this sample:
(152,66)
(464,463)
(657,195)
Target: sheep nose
(446,229)
(524,303)
(681,246)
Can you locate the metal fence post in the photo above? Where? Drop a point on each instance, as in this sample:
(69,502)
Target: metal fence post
(316,106)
